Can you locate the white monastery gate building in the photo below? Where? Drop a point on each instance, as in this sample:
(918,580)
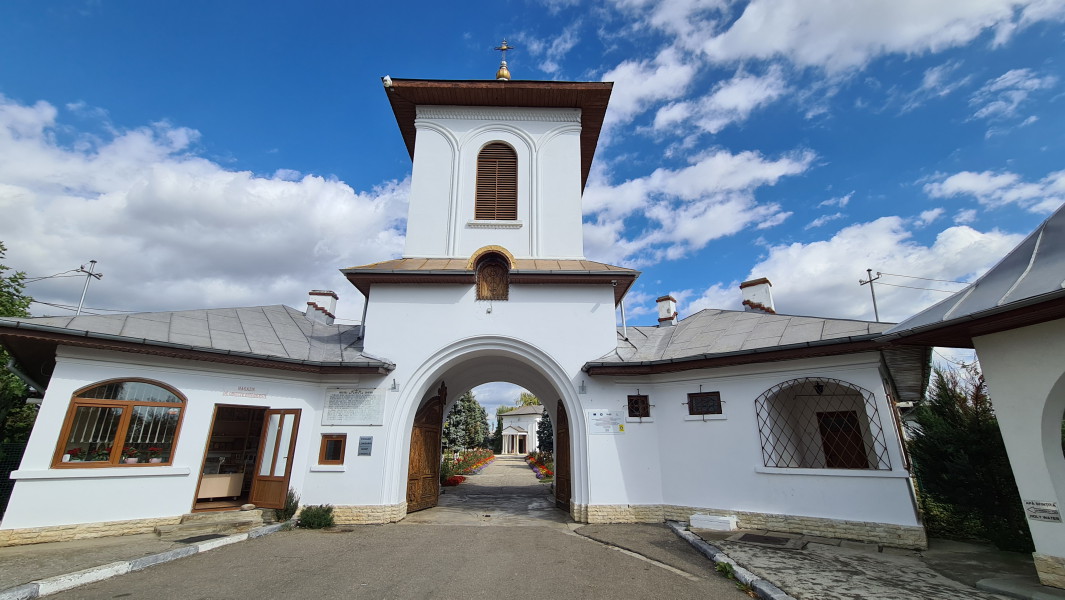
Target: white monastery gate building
(786,422)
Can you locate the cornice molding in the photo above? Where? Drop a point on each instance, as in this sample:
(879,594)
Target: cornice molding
(484,113)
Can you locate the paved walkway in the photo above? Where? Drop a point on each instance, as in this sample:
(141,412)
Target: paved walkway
(506,492)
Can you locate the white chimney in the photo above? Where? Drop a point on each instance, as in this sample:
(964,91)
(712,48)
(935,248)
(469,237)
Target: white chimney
(757,297)
(322,306)
(667,310)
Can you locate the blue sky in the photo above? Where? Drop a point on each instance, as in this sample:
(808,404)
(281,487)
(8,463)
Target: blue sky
(238,153)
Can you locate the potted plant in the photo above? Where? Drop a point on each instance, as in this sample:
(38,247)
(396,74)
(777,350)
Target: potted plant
(100,454)
(154,454)
(129,455)
(73,455)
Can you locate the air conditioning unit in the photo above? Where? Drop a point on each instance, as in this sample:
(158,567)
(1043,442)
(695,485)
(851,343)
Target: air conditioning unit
(714,522)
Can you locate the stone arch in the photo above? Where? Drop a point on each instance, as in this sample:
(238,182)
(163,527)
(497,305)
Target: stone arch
(466,363)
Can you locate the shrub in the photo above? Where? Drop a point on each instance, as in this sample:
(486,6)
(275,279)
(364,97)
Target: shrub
(292,504)
(316,517)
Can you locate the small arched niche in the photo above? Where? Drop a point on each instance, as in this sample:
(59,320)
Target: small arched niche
(492,270)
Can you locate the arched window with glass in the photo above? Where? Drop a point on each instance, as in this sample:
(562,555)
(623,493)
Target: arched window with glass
(121,423)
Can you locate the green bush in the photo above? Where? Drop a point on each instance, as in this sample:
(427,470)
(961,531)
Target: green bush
(292,504)
(316,517)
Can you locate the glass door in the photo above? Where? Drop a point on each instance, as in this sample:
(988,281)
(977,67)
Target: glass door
(274,466)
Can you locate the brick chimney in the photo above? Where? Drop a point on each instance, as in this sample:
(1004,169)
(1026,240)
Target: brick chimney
(322,306)
(667,310)
(757,297)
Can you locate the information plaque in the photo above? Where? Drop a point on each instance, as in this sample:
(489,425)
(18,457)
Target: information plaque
(353,406)
(605,422)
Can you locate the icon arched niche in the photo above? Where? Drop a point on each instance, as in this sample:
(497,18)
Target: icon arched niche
(469,363)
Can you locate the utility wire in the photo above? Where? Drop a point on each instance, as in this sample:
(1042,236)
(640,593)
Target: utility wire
(63,274)
(924,278)
(918,288)
(72,307)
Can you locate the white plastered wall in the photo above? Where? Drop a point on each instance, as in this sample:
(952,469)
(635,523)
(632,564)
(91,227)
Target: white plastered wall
(1026,380)
(547,143)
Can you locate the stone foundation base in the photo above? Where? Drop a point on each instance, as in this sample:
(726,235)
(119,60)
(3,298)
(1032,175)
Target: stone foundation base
(368,515)
(899,536)
(1051,569)
(65,533)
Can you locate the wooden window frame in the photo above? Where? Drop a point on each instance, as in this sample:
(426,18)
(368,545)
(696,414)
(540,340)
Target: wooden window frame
(127,406)
(642,404)
(330,437)
(496,183)
(715,402)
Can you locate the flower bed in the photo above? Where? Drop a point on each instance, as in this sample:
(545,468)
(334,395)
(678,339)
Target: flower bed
(453,480)
(539,463)
(469,462)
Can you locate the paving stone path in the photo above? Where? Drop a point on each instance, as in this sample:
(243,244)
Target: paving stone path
(506,492)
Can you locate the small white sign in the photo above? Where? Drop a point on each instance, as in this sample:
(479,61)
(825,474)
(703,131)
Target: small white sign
(353,406)
(1037,510)
(605,422)
(245,391)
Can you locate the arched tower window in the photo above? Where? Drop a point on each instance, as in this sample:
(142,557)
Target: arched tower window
(497,183)
(493,277)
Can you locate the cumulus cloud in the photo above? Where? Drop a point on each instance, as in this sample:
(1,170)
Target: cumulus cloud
(821,278)
(173,230)
(839,35)
(995,190)
(685,208)
(638,84)
(731,101)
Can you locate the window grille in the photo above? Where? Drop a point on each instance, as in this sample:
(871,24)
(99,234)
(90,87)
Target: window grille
(820,423)
(704,403)
(496,198)
(639,406)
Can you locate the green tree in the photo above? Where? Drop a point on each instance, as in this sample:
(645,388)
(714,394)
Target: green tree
(961,462)
(16,417)
(466,425)
(497,437)
(527,399)
(545,434)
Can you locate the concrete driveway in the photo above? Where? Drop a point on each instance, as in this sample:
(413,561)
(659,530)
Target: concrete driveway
(424,561)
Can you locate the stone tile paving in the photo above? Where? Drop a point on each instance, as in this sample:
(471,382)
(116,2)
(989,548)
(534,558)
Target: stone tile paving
(831,572)
(506,492)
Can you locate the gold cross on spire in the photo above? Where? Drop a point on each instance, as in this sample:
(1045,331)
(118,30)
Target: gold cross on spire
(503,73)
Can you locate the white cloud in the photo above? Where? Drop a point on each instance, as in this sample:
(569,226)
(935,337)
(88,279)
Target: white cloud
(823,219)
(1000,98)
(839,35)
(996,190)
(732,101)
(684,208)
(965,216)
(840,201)
(172,230)
(554,49)
(821,278)
(927,217)
(638,84)
(937,82)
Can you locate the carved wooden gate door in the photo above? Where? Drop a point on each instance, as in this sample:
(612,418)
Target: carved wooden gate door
(423,473)
(562,459)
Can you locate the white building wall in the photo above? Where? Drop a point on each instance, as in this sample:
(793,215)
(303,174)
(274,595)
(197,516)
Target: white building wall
(441,217)
(527,422)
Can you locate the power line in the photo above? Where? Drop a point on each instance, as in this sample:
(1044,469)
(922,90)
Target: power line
(924,278)
(72,307)
(918,288)
(63,274)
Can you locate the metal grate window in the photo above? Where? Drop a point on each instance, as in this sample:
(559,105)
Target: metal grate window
(704,403)
(639,406)
(497,184)
(820,423)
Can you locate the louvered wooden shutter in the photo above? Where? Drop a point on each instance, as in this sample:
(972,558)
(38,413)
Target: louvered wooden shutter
(497,184)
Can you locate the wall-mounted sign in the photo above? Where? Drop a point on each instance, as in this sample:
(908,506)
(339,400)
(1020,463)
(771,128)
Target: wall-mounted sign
(1036,510)
(353,406)
(365,445)
(246,391)
(605,422)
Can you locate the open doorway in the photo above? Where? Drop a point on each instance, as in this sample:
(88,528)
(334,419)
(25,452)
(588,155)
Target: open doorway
(229,460)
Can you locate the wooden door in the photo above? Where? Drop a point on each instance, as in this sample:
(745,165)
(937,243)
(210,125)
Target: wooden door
(841,440)
(277,446)
(562,460)
(423,472)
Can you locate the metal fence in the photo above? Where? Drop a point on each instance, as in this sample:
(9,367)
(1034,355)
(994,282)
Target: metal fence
(10,457)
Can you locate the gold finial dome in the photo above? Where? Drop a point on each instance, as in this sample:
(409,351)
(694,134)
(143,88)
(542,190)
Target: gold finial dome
(503,74)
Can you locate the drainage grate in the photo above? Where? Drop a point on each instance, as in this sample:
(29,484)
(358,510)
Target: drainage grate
(200,538)
(763,539)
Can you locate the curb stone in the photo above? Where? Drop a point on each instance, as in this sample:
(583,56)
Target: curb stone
(59,583)
(764,589)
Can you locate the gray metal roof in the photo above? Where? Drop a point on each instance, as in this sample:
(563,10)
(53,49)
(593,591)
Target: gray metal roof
(268,332)
(524,410)
(1033,272)
(717,332)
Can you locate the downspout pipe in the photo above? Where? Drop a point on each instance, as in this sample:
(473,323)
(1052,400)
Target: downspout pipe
(11,368)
